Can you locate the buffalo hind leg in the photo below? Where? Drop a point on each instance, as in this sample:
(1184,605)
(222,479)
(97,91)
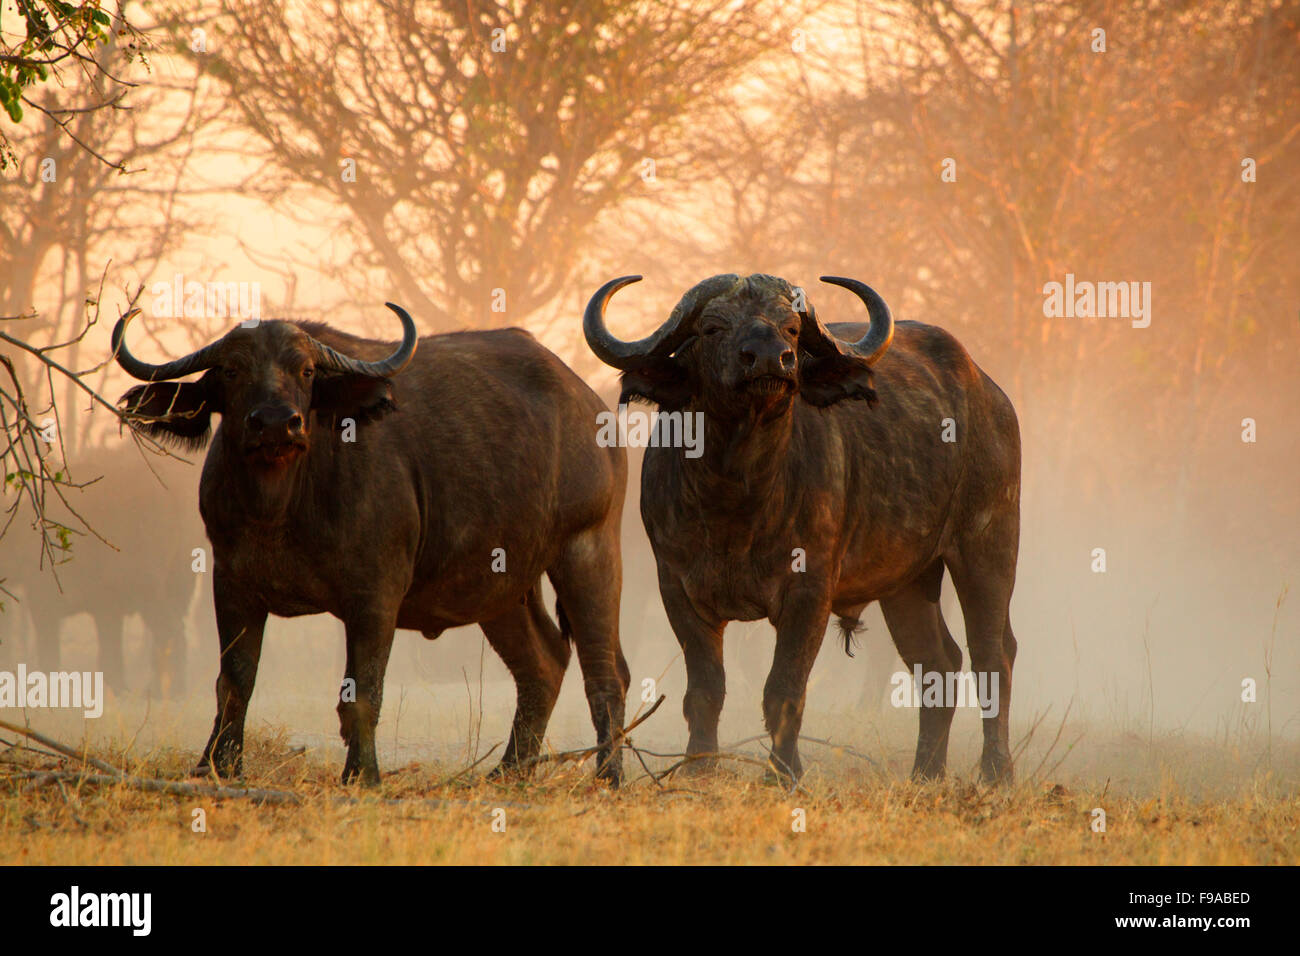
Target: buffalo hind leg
(706,680)
(537,654)
(588,578)
(984,587)
(922,637)
(369,641)
(240,623)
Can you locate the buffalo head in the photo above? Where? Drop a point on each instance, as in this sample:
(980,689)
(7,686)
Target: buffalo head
(265,381)
(736,346)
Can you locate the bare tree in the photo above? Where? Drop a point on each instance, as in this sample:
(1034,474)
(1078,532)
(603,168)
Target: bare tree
(89,174)
(465,148)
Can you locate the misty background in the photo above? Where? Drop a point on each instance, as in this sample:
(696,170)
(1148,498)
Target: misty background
(490,164)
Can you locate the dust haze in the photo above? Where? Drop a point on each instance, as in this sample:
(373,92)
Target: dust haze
(1160,506)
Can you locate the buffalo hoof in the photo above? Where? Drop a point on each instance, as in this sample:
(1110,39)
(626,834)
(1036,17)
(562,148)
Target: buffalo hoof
(368,776)
(612,773)
(700,765)
(226,773)
(782,780)
(508,771)
(928,769)
(997,772)
(778,774)
(223,756)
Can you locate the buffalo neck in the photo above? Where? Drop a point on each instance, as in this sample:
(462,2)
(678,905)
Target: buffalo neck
(261,496)
(746,453)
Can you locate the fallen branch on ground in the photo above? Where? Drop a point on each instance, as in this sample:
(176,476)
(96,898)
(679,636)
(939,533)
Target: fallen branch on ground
(259,796)
(112,776)
(812,740)
(39,778)
(55,745)
(460,773)
(580,755)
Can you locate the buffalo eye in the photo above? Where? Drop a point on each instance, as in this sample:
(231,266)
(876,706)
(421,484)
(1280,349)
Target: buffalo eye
(307,372)
(713,330)
(230,373)
(792,331)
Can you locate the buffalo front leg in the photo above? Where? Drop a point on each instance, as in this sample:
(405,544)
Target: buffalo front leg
(706,680)
(241,620)
(369,641)
(800,628)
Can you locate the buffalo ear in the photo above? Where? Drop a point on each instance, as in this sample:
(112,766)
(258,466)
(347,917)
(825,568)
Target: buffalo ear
(825,380)
(178,413)
(347,395)
(664,382)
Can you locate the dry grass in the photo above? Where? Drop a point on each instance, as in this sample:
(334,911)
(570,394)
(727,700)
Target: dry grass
(855,813)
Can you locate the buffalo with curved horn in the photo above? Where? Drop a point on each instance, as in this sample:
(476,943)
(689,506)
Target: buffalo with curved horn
(841,464)
(397,487)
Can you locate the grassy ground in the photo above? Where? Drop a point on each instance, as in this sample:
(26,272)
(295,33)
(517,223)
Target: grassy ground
(853,811)
(1220,789)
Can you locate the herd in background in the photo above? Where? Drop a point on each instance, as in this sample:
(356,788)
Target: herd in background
(139,570)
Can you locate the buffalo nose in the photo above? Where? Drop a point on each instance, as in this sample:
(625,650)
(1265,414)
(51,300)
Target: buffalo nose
(767,361)
(260,419)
